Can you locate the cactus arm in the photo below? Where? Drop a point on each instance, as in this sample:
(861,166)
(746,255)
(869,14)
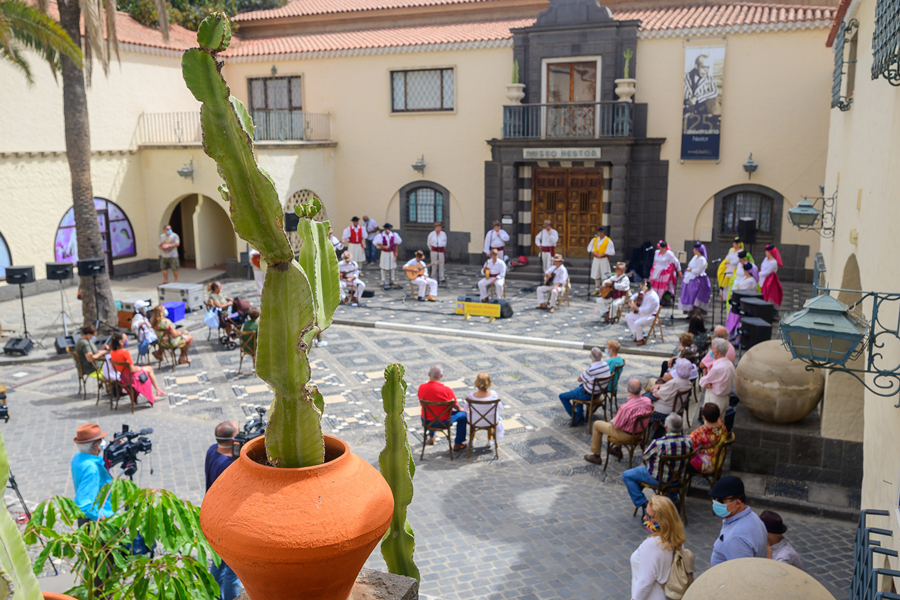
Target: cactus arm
(318,261)
(398,469)
(16,573)
(294,434)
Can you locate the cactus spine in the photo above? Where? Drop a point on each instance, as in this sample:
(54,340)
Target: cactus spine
(398,469)
(300,296)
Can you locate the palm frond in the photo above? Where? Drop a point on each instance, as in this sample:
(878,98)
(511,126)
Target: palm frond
(22,27)
(15,58)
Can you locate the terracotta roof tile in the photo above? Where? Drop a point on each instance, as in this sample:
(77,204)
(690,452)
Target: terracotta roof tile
(302,8)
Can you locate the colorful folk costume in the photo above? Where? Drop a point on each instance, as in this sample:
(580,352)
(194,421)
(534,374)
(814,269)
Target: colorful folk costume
(743,280)
(663,274)
(744,257)
(696,288)
(727,266)
(768,276)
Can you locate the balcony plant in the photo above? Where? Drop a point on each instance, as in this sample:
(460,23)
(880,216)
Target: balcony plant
(297,514)
(625,86)
(514,90)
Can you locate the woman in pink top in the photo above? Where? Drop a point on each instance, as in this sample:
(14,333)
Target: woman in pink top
(705,439)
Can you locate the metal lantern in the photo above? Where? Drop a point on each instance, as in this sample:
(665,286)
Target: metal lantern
(824,332)
(804,214)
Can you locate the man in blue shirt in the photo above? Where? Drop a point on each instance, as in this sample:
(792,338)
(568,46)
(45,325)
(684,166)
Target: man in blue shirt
(218,458)
(89,471)
(743,533)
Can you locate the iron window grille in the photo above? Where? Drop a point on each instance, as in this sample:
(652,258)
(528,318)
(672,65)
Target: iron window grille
(886,41)
(426,206)
(847,33)
(748,204)
(276,105)
(427,90)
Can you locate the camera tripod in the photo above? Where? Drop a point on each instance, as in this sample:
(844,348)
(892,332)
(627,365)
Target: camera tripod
(12,485)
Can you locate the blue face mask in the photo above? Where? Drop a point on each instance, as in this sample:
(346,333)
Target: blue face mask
(720,509)
(165,311)
(124,342)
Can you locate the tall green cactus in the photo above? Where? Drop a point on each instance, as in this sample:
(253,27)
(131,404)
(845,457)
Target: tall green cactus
(398,469)
(17,580)
(299,297)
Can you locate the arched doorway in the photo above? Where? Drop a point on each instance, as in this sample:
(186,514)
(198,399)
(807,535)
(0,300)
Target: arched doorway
(206,232)
(296,199)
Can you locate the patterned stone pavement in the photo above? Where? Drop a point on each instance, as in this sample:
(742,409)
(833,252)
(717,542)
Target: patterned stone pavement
(539,522)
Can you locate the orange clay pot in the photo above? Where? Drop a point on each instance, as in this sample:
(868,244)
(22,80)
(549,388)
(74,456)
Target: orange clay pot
(297,534)
(55,596)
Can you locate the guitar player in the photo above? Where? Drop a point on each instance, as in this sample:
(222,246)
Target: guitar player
(555,280)
(417,271)
(619,284)
(494,274)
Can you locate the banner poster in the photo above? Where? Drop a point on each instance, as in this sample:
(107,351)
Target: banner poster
(702,114)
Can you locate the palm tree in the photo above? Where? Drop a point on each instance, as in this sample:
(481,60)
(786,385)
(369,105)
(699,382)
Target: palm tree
(23,28)
(98,15)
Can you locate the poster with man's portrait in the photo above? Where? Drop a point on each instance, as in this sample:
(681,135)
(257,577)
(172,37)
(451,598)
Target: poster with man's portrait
(702,114)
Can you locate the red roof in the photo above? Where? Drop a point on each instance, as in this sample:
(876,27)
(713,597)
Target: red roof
(373,39)
(302,8)
(724,15)
(836,22)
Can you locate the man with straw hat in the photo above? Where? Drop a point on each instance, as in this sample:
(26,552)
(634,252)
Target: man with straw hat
(89,471)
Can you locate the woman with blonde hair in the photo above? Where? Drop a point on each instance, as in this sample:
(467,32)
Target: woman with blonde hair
(652,562)
(477,413)
(168,335)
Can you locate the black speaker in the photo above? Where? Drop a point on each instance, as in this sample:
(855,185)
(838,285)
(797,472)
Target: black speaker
(90,267)
(747,230)
(759,308)
(19,274)
(59,271)
(291,220)
(753,331)
(63,342)
(506,310)
(468,299)
(20,346)
(368,294)
(738,295)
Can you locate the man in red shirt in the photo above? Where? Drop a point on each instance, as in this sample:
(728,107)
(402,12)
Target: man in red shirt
(435,391)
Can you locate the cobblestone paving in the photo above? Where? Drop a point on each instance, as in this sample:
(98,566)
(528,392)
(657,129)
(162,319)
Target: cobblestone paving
(539,522)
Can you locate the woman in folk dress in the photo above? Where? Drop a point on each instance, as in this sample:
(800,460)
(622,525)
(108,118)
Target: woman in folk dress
(663,274)
(696,288)
(725,274)
(768,277)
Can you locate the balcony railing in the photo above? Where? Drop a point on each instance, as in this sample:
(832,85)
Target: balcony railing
(270,125)
(573,120)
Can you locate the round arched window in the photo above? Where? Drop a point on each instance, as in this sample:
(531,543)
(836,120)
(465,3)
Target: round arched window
(5,257)
(115,229)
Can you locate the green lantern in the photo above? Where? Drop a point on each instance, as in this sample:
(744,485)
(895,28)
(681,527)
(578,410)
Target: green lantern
(823,332)
(804,214)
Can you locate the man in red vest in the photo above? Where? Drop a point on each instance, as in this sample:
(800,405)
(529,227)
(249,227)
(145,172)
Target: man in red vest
(355,235)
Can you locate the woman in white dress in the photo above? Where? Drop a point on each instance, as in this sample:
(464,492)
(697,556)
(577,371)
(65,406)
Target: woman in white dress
(652,562)
(479,415)
(727,267)
(696,288)
(662,276)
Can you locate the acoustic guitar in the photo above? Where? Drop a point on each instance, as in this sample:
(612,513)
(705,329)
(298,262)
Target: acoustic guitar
(607,290)
(414,272)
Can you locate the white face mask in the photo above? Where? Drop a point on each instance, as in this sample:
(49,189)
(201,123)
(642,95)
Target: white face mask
(102,445)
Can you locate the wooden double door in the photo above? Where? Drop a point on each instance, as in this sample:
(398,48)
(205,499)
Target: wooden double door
(573,200)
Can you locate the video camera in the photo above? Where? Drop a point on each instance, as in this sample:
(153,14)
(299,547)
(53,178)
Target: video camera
(124,449)
(253,428)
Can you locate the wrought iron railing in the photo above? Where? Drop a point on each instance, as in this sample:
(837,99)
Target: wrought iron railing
(270,125)
(818,274)
(291,125)
(864,585)
(886,41)
(572,120)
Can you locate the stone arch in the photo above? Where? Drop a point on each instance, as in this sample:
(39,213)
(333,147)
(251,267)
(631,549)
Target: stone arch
(205,228)
(296,199)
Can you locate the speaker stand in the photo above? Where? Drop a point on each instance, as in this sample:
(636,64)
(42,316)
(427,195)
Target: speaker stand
(62,314)
(25,333)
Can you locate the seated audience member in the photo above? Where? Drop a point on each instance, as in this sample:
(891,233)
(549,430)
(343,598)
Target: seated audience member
(597,370)
(435,391)
(779,548)
(719,333)
(743,533)
(706,437)
(697,328)
(624,427)
(217,300)
(663,394)
(119,354)
(484,393)
(614,361)
(168,335)
(86,352)
(684,349)
(719,378)
(251,324)
(653,472)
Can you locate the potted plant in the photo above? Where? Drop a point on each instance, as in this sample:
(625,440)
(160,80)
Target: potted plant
(514,90)
(625,86)
(297,515)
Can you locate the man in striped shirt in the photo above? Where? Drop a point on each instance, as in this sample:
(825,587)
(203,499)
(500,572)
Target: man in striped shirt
(654,470)
(626,426)
(598,370)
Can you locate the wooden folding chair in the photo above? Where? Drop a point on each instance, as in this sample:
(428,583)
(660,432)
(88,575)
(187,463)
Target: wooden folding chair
(248,347)
(718,463)
(441,424)
(492,291)
(166,352)
(483,416)
(680,405)
(657,326)
(109,378)
(677,483)
(641,424)
(82,377)
(599,395)
(125,384)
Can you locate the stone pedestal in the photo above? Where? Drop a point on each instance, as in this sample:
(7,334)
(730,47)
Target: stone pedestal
(755,578)
(375,585)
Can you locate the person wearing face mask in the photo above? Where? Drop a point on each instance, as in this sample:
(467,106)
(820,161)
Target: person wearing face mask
(218,459)
(89,472)
(743,533)
(168,335)
(121,357)
(168,253)
(87,352)
(651,563)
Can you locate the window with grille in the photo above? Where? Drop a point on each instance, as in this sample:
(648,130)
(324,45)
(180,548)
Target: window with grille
(886,41)
(748,205)
(844,43)
(426,205)
(276,105)
(422,91)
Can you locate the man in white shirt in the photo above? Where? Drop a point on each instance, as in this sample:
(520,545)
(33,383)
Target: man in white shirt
(546,241)
(387,241)
(423,280)
(168,253)
(352,286)
(371,228)
(645,313)
(495,238)
(556,277)
(600,249)
(610,305)
(355,237)
(496,276)
(259,270)
(437,243)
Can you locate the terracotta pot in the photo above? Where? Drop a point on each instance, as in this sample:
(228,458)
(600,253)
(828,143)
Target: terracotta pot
(293,534)
(55,596)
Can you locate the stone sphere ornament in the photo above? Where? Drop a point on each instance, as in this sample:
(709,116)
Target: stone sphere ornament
(774,387)
(756,578)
